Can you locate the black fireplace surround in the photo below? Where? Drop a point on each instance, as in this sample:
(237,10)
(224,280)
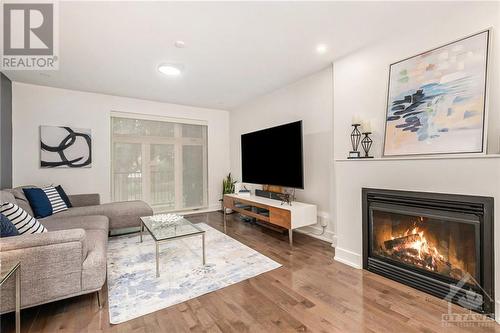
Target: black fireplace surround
(441,244)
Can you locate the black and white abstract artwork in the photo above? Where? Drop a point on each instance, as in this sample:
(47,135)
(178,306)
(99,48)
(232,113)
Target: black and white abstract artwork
(65,147)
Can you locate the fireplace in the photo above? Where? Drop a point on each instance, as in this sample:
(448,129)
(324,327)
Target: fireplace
(438,243)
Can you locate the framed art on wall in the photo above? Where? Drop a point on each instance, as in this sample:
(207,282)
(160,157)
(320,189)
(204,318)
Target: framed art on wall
(436,101)
(65,147)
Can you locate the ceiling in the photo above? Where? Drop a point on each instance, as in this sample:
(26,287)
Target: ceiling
(235,51)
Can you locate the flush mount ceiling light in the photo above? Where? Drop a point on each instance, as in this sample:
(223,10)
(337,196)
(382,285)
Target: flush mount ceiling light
(321,48)
(170,69)
(180,44)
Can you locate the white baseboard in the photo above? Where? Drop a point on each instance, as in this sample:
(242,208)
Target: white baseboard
(334,243)
(315,232)
(201,211)
(348,257)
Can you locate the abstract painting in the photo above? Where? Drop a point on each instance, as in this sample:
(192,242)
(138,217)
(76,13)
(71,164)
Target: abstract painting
(65,147)
(436,100)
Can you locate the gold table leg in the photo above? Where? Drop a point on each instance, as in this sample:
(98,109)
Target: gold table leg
(18,300)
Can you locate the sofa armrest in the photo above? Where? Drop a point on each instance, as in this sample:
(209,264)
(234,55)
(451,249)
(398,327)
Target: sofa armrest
(84,200)
(51,266)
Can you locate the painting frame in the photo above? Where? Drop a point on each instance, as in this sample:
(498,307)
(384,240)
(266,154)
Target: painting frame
(64,147)
(485,101)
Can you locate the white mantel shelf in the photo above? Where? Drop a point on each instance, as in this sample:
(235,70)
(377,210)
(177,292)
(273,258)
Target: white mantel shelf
(411,158)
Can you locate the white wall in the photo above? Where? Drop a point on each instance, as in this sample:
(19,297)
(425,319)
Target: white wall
(36,105)
(309,100)
(361,79)
(470,176)
(360,86)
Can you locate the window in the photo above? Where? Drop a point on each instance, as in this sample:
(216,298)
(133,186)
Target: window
(162,162)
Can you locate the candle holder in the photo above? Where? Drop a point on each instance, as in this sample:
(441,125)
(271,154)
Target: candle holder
(355,140)
(366,143)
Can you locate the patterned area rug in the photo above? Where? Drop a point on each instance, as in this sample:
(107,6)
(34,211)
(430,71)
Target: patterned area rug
(134,290)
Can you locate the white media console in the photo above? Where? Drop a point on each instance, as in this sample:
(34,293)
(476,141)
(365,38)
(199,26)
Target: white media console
(272,211)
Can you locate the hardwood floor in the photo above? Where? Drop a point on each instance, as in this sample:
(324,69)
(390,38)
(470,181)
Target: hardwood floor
(311,292)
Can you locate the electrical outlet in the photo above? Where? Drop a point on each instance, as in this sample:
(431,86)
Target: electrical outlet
(323,221)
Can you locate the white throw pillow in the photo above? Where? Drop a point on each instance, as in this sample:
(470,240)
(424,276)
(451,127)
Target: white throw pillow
(24,222)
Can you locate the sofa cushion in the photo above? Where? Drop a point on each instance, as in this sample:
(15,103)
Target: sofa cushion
(7,228)
(6,196)
(21,199)
(55,222)
(24,222)
(83,200)
(120,214)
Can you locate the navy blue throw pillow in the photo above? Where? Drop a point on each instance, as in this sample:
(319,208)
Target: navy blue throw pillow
(39,202)
(63,195)
(7,228)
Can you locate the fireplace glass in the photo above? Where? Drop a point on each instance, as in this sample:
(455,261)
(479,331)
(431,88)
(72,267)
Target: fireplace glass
(438,245)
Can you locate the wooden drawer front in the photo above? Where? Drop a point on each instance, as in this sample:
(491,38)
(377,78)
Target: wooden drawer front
(280,217)
(228,202)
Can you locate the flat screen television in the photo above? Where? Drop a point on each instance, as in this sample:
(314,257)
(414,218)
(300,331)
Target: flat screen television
(273,156)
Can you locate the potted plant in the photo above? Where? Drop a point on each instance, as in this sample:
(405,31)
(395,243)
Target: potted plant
(228,188)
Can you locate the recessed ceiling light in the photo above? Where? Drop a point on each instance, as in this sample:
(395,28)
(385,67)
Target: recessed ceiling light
(321,48)
(180,44)
(170,69)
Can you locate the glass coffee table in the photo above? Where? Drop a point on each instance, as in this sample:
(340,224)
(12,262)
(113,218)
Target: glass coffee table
(163,231)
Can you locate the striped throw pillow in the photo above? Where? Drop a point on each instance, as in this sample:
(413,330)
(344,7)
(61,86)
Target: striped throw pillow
(57,203)
(24,223)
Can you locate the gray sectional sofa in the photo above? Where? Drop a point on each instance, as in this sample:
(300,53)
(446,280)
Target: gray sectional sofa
(69,259)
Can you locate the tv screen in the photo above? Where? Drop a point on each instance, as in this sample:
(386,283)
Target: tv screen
(273,156)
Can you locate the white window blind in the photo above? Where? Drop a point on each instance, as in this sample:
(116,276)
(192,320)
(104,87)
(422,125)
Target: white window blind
(161,162)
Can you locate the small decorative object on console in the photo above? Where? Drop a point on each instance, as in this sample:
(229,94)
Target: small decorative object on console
(355,139)
(244,192)
(286,198)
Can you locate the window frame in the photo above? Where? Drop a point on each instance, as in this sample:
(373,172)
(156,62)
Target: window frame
(146,143)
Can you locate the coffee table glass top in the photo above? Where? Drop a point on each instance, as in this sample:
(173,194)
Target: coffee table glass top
(6,270)
(167,230)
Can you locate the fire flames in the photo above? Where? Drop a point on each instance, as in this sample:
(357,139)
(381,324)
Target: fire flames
(414,248)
